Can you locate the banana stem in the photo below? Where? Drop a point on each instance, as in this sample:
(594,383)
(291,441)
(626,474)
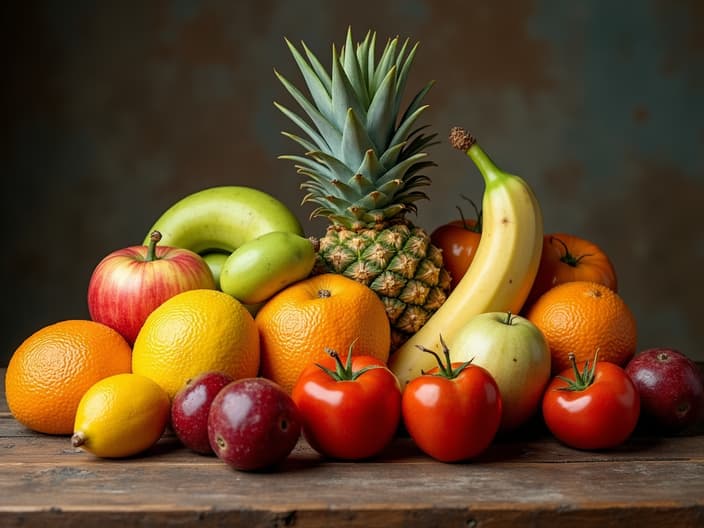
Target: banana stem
(463,140)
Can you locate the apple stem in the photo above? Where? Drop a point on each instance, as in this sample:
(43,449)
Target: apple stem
(154,239)
(509,318)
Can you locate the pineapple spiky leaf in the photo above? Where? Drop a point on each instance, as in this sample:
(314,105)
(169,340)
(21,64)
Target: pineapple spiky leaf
(317,86)
(319,69)
(344,96)
(364,160)
(381,116)
(353,69)
(355,141)
(328,131)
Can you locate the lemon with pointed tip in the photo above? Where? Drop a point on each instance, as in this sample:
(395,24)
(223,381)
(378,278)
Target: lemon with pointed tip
(121,416)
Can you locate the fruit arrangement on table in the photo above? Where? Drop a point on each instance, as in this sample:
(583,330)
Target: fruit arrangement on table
(239,332)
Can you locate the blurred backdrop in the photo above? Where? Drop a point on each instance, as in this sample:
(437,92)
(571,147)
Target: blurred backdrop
(114,110)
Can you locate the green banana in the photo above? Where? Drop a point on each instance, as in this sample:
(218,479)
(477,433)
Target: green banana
(503,269)
(216,261)
(261,267)
(221,219)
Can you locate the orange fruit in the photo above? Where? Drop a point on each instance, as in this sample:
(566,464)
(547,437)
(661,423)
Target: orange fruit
(194,332)
(584,317)
(52,369)
(327,311)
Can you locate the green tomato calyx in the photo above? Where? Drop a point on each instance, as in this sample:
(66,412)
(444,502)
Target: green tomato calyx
(445,368)
(344,371)
(582,380)
(568,258)
(477,227)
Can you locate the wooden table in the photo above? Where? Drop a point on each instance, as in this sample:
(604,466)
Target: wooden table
(528,480)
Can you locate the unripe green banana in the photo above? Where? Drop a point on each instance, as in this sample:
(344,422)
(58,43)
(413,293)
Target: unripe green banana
(223,218)
(261,267)
(215,261)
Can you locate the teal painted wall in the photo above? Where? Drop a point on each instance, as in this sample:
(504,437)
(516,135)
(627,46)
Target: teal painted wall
(117,109)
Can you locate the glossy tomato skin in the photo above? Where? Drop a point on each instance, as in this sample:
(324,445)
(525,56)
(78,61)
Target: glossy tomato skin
(349,420)
(567,258)
(452,419)
(601,416)
(459,244)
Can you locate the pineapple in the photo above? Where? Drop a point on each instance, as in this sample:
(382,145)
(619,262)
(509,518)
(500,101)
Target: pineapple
(362,160)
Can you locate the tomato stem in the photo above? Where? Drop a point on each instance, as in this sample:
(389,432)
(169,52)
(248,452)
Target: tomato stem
(344,371)
(477,227)
(154,239)
(582,380)
(445,369)
(568,258)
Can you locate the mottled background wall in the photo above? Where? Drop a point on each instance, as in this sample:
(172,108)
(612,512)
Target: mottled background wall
(114,110)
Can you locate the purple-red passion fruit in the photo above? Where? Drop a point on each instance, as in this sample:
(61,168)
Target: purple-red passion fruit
(670,386)
(190,408)
(253,424)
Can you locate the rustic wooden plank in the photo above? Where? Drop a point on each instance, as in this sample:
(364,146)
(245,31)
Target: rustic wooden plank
(524,479)
(46,459)
(36,448)
(411,516)
(302,481)
(531,490)
(534,447)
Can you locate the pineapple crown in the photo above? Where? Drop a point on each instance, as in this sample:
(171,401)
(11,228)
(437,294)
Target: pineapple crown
(362,160)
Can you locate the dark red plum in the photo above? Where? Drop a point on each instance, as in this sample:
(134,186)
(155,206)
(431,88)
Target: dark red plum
(190,408)
(253,424)
(670,386)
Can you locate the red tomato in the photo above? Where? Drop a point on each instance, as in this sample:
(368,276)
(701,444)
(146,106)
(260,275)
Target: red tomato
(458,240)
(452,412)
(349,411)
(594,409)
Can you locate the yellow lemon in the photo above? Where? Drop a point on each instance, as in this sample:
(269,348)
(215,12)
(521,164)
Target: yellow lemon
(194,332)
(120,416)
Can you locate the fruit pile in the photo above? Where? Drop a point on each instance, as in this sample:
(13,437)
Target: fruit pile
(241,334)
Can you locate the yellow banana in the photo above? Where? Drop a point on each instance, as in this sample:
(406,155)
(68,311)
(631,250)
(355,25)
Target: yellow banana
(502,272)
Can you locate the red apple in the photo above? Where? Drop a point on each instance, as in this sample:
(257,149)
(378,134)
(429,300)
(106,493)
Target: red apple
(128,284)
(190,407)
(670,386)
(253,424)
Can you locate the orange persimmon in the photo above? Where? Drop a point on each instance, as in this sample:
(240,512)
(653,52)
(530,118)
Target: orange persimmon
(568,258)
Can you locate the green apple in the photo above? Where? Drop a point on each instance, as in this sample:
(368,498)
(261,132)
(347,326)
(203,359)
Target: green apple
(515,353)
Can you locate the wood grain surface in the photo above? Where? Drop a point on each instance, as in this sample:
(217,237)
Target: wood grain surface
(527,479)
